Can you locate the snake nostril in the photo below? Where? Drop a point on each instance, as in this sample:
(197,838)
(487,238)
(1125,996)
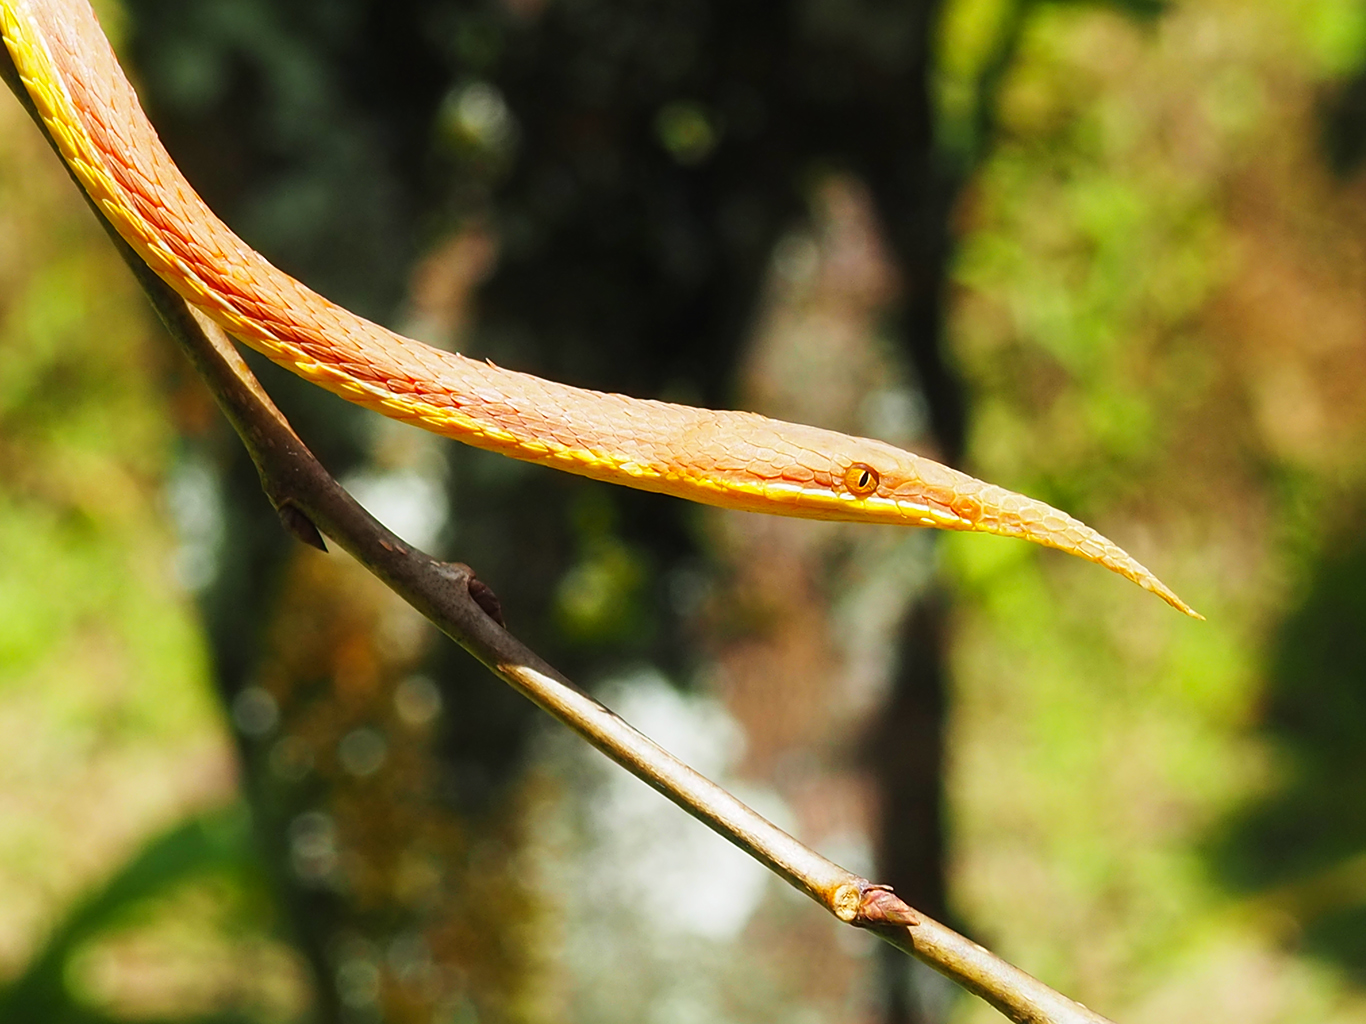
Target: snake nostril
(861,479)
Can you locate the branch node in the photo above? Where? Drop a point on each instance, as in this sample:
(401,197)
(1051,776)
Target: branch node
(297,523)
(847,902)
(879,906)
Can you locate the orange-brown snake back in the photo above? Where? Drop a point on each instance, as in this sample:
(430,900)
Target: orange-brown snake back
(731,459)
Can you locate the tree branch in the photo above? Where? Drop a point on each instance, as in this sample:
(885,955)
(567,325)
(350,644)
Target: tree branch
(312,503)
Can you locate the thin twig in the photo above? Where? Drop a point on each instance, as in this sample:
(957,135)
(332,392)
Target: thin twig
(311,501)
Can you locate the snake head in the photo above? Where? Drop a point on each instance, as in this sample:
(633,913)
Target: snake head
(874,481)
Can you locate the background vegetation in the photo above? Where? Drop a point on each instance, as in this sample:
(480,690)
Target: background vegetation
(240,785)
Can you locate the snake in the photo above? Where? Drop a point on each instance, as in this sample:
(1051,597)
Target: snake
(732,459)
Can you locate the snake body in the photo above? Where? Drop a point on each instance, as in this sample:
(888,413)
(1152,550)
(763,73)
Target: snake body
(735,460)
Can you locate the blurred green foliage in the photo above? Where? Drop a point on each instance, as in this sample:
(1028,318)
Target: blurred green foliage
(1160,774)
(1304,840)
(216,845)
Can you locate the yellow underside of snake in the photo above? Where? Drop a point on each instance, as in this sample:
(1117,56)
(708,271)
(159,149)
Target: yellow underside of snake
(735,460)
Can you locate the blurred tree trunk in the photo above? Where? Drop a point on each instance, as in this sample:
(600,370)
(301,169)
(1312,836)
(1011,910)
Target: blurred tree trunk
(663,151)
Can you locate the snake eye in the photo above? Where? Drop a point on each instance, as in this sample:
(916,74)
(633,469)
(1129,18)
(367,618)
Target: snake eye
(861,479)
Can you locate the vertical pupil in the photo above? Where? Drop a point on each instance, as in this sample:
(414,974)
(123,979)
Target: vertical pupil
(860,480)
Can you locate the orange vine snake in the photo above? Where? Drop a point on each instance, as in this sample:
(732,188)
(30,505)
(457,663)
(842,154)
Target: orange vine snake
(734,460)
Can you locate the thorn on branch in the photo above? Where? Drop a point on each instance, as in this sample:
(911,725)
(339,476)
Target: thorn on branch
(300,525)
(486,599)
